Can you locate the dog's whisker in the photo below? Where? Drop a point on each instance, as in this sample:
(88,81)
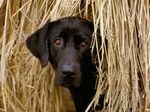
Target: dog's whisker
(64,75)
(73,76)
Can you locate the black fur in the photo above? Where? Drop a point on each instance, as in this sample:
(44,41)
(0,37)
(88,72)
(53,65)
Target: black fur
(66,44)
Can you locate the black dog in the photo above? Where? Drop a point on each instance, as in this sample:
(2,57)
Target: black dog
(66,44)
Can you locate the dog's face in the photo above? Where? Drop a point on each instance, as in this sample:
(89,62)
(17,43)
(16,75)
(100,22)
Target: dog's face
(66,44)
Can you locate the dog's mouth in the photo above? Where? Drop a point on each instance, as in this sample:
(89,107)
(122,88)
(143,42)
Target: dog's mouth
(69,82)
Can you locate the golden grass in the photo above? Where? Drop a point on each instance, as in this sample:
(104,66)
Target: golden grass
(26,87)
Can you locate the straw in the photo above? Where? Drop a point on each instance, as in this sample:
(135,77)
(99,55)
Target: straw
(123,71)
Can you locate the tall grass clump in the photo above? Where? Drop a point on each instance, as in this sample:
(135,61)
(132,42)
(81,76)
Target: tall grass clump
(124,68)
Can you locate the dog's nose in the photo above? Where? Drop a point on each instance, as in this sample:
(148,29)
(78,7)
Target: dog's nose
(68,74)
(68,71)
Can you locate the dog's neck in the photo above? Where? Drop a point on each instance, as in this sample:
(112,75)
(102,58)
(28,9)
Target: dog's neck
(84,94)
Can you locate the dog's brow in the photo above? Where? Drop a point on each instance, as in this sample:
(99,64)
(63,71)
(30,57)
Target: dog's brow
(81,37)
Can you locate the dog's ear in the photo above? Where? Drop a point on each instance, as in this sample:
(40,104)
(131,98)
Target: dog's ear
(37,44)
(90,25)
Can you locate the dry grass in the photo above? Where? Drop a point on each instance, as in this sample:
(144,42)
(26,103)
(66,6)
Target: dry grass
(26,87)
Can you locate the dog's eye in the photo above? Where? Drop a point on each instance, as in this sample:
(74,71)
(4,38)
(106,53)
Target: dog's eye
(58,41)
(83,44)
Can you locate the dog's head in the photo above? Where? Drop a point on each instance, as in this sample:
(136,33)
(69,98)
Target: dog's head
(66,44)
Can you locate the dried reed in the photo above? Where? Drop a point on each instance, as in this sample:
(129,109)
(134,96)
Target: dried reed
(26,87)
